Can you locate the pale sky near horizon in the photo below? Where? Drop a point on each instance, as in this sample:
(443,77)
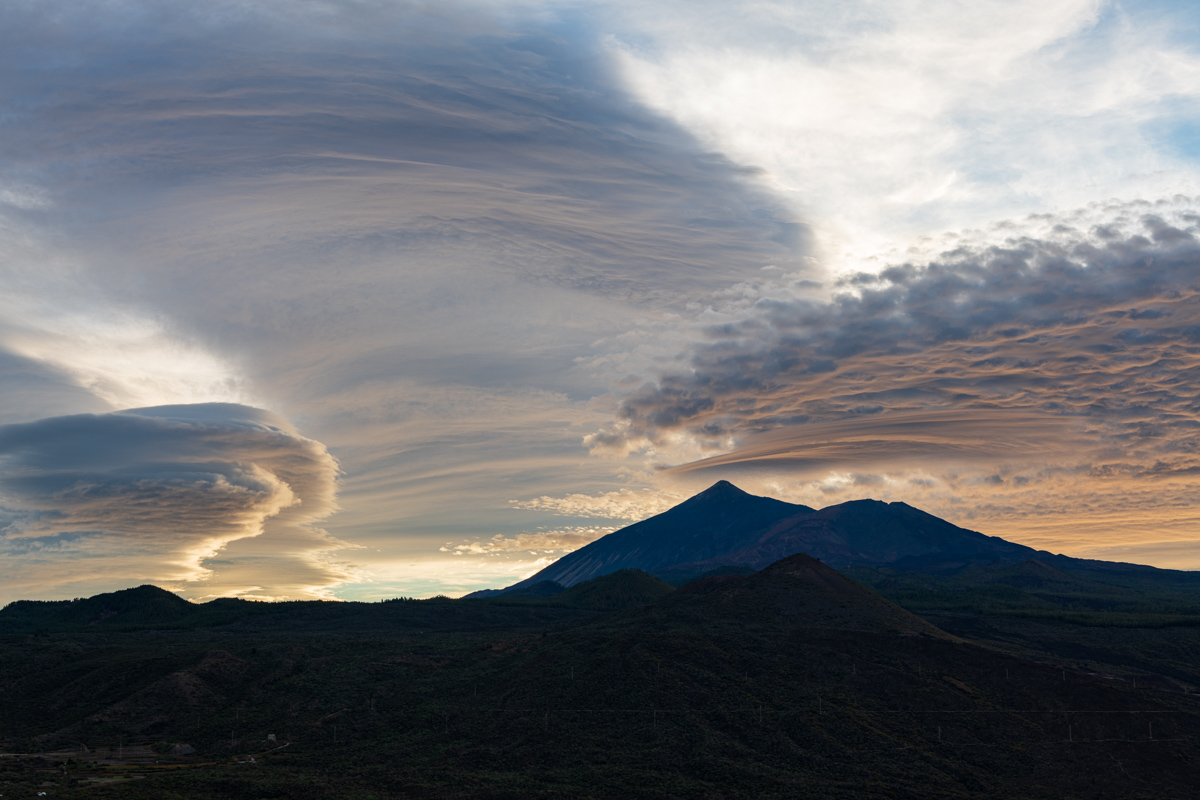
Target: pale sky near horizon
(363,299)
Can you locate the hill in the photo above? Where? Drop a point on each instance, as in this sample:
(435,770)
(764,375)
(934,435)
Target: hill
(720,519)
(620,589)
(800,592)
(870,532)
(140,606)
(790,682)
(724,528)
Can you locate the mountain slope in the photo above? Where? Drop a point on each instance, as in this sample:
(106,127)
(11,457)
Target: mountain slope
(793,682)
(724,527)
(870,532)
(620,589)
(719,519)
(800,592)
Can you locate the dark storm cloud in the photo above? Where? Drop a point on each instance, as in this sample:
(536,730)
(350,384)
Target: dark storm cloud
(1098,336)
(154,492)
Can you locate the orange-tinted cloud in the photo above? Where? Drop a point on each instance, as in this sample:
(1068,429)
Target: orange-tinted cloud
(1051,375)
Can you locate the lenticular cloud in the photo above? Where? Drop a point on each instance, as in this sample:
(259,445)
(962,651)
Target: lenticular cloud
(153,493)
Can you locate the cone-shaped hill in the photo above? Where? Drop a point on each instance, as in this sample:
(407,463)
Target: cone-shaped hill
(717,521)
(142,605)
(799,592)
(726,527)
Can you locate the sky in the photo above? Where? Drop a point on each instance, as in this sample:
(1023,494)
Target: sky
(361,299)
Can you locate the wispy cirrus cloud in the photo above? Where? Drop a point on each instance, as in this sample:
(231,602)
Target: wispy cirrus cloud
(630,504)
(558,541)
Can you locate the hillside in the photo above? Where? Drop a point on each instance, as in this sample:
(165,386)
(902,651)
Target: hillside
(790,682)
(726,528)
(801,592)
(870,532)
(719,519)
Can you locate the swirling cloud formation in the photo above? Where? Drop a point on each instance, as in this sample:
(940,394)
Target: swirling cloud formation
(160,494)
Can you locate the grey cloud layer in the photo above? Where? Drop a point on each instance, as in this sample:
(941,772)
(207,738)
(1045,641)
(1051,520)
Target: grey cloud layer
(1101,330)
(154,493)
(1045,388)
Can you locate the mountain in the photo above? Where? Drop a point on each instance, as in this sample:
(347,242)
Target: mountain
(717,521)
(537,590)
(1031,575)
(724,527)
(870,532)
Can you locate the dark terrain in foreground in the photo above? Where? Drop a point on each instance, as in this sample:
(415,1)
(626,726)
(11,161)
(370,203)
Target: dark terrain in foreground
(790,682)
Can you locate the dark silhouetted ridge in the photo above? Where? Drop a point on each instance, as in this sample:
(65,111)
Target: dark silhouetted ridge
(542,589)
(619,589)
(716,521)
(871,532)
(800,591)
(143,605)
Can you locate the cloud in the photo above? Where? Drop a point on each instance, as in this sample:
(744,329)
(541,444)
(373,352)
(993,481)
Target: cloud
(159,494)
(560,541)
(885,122)
(1055,370)
(402,224)
(437,235)
(1098,328)
(627,504)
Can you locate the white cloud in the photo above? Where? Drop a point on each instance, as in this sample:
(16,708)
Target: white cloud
(887,121)
(56,312)
(560,541)
(630,504)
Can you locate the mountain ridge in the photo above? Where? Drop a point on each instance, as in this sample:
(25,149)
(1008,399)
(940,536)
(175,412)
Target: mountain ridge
(699,528)
(724,526)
